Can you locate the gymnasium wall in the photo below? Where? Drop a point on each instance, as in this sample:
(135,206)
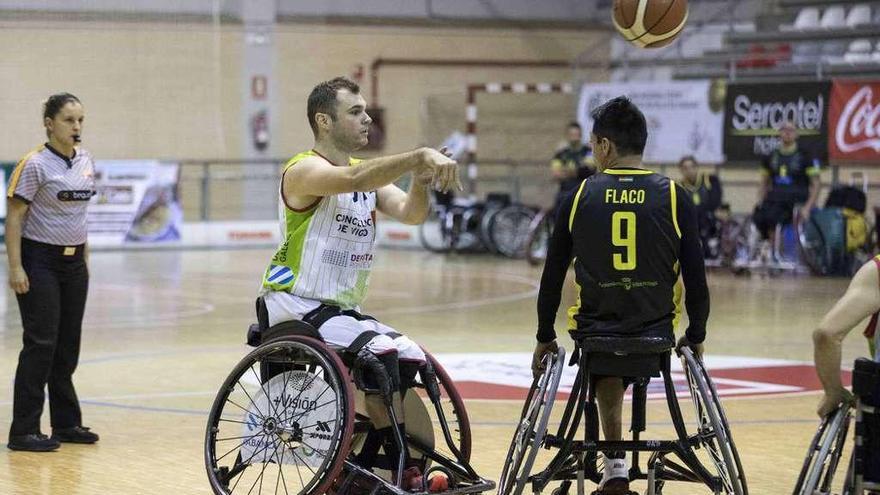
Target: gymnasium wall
(173,90)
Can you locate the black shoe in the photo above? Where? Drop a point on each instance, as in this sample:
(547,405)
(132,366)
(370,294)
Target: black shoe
(35,442)
(76,434)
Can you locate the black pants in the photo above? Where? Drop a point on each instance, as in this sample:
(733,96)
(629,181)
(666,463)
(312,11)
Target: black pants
(51,315)
(770,213)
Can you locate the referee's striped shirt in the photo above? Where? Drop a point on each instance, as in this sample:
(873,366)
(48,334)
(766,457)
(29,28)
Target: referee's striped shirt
(58,190)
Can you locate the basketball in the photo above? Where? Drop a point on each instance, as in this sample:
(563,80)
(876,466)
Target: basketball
(650,23)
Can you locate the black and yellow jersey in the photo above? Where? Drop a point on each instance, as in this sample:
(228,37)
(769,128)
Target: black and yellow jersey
(706,193)
(790,173)
(631,233)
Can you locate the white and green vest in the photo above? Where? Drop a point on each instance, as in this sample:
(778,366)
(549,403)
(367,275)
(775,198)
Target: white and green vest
(326,249)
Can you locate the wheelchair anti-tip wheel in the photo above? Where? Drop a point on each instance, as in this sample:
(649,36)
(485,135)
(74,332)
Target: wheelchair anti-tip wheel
(282,421)
(713,431)
(824,454)
(532,426)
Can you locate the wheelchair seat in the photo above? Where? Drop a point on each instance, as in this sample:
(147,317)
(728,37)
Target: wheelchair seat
(257,335)
(623,345)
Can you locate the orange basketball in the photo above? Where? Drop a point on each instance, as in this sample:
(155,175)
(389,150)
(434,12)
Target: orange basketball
(650,23)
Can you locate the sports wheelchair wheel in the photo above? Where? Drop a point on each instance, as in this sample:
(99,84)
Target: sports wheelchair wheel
(283,421)
(713,430)
(529,435)
(540,231)
(509,229)
(824,453)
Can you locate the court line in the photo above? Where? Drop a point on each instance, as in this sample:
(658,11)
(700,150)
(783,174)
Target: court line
(192,412)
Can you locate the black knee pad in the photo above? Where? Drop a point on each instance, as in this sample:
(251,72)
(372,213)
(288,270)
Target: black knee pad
(392,367)
(408,372)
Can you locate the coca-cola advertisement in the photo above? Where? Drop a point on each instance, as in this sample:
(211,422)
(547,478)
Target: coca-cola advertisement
(854,118)
(754,113)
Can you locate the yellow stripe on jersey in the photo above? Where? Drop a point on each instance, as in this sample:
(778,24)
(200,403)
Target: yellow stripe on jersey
(573,310)
(16,174)
(674,200)
(577,198)
(627,171)
(676,299)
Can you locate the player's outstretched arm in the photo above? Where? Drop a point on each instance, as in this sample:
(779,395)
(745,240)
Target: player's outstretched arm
(313,176)
(412,207)
(862,298)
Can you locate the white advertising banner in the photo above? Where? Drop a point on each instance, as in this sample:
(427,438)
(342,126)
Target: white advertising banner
(135,201)
(683,117)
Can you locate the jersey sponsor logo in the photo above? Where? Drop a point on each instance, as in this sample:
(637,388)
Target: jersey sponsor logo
(627,284)
(361,260)
(508,376)
(279,274)
(352,225)
(75,195)
(334,257)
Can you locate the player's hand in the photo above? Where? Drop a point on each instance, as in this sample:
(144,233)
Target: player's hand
(832,400)
(684,342)
(442,170)
(541,349)
(18,280)
(805,213)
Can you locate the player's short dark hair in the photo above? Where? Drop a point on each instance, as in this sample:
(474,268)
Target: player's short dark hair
(575,125)
(688,158)
(622,123)
(322,99)
(56,102)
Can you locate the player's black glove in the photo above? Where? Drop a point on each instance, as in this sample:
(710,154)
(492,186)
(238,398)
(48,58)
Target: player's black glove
(684,342)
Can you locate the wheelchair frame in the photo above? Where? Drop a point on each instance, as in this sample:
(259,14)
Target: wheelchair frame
(338,472)
(826,448)
(576,460)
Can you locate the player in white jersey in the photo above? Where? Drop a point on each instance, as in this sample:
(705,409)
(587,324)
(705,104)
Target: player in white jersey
(328,205)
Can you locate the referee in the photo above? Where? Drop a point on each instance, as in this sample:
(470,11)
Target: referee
(46,246)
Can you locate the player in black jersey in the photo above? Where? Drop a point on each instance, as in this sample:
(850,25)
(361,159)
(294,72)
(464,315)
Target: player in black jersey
(789,176)
(571,164)
(631,233)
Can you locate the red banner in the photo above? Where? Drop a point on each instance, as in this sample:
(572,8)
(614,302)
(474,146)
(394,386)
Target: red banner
(854,121)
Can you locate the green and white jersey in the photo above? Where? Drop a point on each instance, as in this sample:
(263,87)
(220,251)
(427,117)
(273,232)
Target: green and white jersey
(326,249)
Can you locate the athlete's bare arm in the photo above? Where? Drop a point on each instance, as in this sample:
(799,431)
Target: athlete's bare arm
(314,177)
(862,298)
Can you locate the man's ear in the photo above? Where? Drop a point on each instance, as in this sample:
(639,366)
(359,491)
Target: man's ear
(323,120)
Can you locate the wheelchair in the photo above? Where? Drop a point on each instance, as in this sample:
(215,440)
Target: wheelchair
(826,448)
(577,460)
(289,419)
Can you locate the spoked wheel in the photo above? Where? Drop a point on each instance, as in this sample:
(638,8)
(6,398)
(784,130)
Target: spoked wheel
(427,442)
(538,239)
(713,430)
(438,232)
(282,421)
(812,247)
(529,434)
(509,230)
(824,454)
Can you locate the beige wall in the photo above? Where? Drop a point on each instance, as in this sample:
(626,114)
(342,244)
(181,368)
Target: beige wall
(159,90)
(149,90)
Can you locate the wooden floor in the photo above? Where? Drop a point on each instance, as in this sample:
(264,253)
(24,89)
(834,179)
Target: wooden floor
(163,328)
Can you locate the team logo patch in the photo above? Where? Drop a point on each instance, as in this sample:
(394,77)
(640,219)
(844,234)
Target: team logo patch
(509,376)
(279,274)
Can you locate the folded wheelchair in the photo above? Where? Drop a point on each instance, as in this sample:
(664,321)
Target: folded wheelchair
(702,453)
(289,419)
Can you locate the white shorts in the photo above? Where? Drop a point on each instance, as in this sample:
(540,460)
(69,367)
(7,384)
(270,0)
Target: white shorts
(340,331)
